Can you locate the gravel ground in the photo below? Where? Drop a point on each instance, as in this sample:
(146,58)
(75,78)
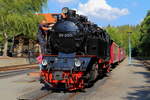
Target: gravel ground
(12,87)
(147,64)
(124,83)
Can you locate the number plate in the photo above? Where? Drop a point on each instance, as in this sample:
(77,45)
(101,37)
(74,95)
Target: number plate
(65,35)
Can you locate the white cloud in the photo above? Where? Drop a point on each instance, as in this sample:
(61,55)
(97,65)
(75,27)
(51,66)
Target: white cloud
(101,10)
(64,1)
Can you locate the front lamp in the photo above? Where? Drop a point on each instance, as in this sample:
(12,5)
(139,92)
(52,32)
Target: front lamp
(44,62)
(77,63)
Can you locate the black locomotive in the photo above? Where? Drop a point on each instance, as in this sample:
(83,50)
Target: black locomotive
(78,52)
(76,34)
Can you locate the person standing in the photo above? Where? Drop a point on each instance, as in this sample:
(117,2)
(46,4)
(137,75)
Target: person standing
(42,32)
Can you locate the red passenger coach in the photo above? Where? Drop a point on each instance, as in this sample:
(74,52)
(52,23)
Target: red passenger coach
(121,54)
(117,54)
(114,53)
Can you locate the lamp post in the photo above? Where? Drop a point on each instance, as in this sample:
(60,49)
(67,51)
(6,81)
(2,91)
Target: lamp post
(129,33)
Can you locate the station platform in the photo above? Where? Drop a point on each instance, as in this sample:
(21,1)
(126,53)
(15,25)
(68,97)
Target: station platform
(12,61)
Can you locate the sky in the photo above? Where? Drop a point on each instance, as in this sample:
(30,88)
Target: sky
(104,12)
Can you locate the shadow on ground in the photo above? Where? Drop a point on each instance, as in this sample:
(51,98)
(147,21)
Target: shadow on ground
(145,62)
(141,92)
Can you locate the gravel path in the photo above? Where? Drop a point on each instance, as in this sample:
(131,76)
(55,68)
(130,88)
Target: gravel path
(12,87)
(124,83)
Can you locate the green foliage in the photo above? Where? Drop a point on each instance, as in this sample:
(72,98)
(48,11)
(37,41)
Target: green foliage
(1,38)
(17,16)
(140,37)
(120,35)
(148,13)
(145,36)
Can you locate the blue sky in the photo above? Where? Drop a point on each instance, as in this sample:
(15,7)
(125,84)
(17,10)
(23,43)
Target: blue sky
(104,12)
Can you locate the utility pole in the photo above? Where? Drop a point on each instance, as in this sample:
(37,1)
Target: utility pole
(129,61)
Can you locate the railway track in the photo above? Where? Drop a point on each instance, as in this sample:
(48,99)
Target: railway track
(36,94)
(47,95)
(39,94)
(16,70)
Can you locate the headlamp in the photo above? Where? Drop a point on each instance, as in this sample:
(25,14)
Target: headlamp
(44,62)
(77,63)
(56,59)
(65,10)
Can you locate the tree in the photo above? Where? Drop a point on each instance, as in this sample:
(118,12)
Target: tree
(17,17)
(120,35)
(145,36)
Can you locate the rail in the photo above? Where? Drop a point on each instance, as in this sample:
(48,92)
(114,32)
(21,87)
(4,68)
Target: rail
(15,72)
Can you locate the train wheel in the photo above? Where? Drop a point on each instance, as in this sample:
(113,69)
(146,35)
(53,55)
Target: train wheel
(109,68)
(100,70)
(94,72)
(92,75)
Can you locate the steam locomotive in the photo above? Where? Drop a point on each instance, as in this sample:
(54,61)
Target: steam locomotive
(78,52)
